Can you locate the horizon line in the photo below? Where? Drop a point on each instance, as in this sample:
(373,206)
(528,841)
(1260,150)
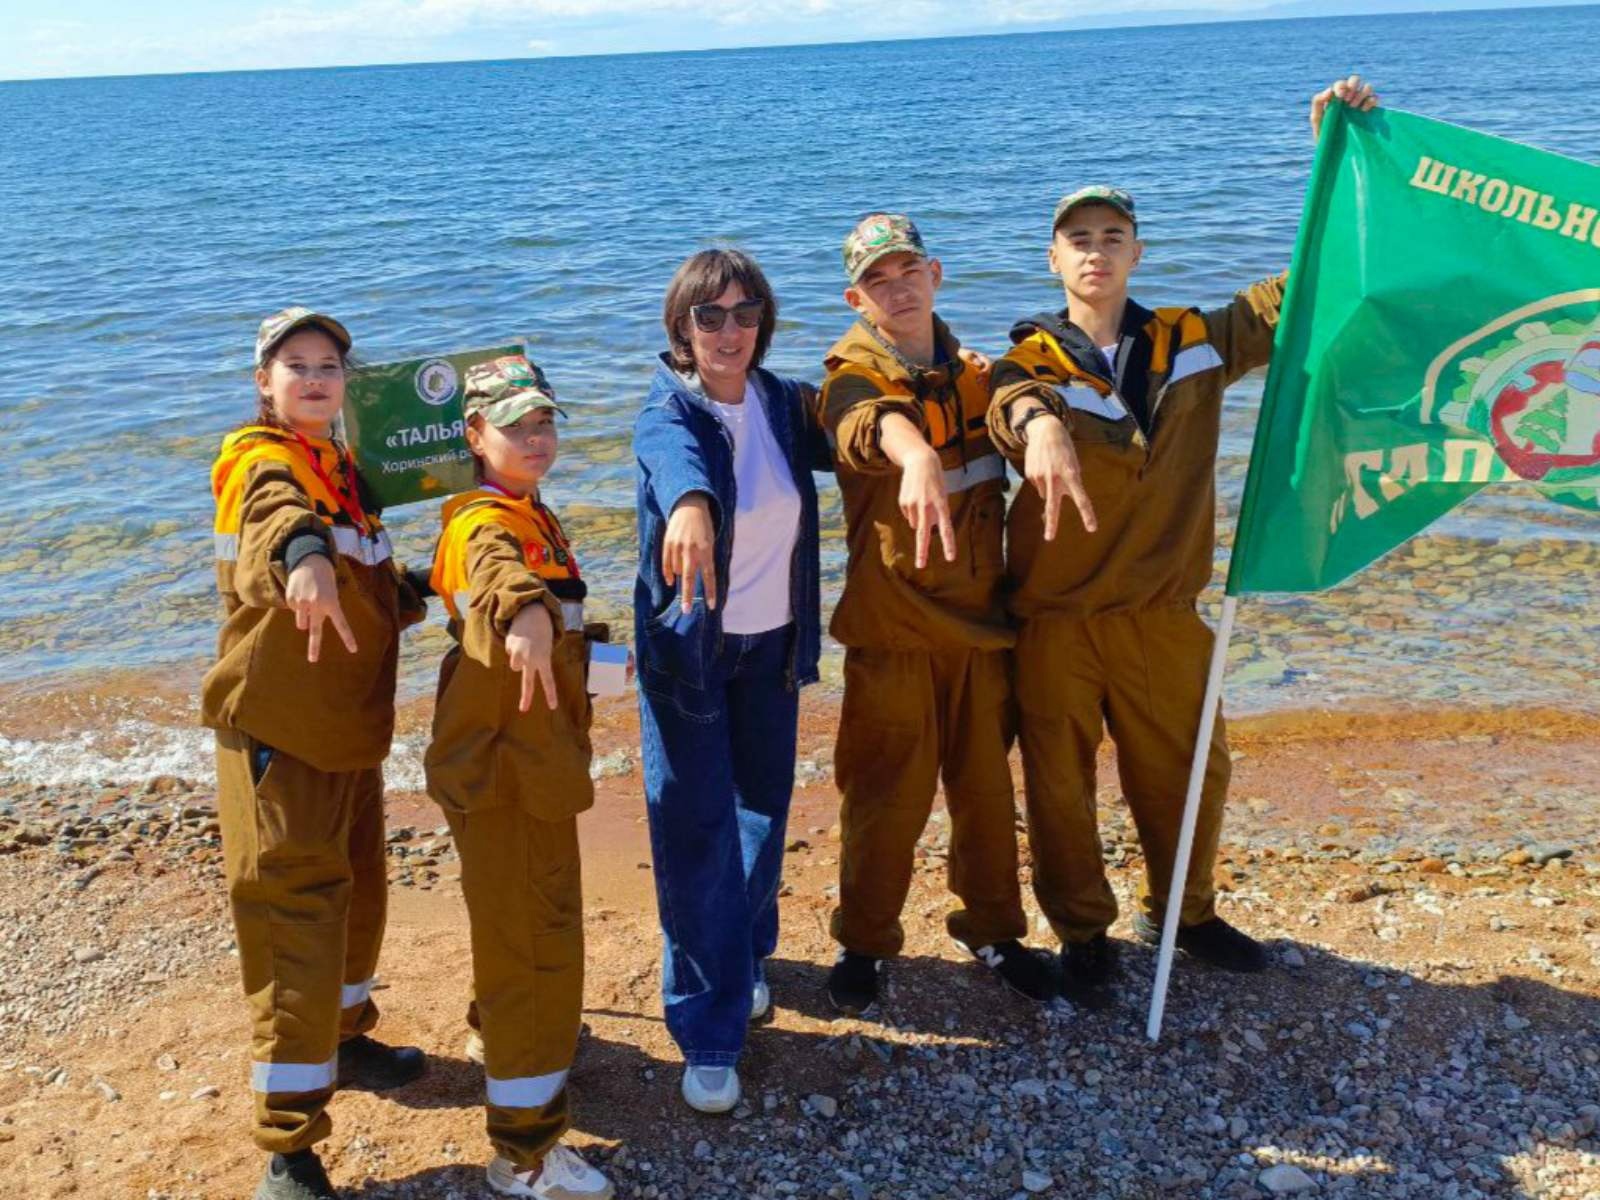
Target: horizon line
(1170,19)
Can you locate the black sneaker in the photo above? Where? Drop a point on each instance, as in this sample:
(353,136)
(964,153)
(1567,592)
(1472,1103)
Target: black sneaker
(853,983)
(1214,942)
(297,1176)
(1087,969)
(1026,972)
(366,1065)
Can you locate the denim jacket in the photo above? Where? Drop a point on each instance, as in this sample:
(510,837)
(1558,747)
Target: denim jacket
(682,446)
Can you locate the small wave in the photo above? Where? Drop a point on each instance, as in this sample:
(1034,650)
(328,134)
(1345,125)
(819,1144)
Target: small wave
(132,751)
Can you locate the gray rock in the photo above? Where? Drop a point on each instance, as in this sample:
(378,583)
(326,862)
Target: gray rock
(1286,1179)
(1037,1181)
(823,1106)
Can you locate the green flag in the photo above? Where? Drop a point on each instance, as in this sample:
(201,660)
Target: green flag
(405,427)
(1441,332)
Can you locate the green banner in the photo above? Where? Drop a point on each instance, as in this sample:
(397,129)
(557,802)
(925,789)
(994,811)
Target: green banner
(1441,333)
(403,420)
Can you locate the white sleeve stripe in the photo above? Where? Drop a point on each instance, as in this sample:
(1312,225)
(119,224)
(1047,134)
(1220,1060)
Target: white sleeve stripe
(1086,399)
(1192,361)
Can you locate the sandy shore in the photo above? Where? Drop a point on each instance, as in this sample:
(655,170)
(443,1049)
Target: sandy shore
(1428,880)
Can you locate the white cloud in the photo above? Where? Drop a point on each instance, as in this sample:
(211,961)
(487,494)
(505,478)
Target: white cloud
(297,33)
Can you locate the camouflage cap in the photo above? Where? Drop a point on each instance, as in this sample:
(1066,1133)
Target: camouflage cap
(506,389)
(1095,193)
(877,235)
(281,324)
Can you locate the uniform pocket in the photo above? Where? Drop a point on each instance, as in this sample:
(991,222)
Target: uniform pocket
(300,814)
(885,721)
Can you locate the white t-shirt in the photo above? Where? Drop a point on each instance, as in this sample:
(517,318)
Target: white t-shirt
(765,523)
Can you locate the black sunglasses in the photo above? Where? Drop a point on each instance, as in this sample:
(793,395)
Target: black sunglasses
(710,318)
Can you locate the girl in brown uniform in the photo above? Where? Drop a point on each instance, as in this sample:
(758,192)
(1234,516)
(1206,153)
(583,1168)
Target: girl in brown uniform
(509,764)
(302,730)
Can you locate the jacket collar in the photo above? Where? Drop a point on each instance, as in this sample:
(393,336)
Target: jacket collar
(670,382)
(864,346)
(1134,339)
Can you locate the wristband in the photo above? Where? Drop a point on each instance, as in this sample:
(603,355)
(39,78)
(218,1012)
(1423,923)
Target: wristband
(1019,428)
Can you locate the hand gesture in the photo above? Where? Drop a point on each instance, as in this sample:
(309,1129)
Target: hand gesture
(688,552)
(925,505)
(1351,91)
(1051,465)
(529,641)
(312,593)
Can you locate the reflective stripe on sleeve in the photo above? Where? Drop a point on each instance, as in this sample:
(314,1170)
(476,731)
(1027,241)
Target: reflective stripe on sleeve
(530,1091)
(352,543)
(346,540)
(1086,399)
(1192,361)
(291,1077)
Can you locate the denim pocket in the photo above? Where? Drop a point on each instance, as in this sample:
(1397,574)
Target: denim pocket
(675,645)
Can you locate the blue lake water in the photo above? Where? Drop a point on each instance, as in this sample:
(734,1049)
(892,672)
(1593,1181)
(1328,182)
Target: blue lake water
(146,224)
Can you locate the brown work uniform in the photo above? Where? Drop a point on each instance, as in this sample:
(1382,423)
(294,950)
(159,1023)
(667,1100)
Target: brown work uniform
(511,784)
(1109,636)
(299,751)
(926,683)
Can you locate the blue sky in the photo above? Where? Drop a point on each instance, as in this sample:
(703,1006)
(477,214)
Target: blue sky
(100,37)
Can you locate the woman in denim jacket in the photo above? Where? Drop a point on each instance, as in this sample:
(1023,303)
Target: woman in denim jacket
(727,627)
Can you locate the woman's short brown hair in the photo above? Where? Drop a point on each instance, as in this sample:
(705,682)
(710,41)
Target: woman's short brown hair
(702,278)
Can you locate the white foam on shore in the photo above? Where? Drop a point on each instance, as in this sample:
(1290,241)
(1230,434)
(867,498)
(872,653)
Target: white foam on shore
(132,751)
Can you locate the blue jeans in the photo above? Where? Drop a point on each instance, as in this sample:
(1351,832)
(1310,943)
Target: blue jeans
(717,784)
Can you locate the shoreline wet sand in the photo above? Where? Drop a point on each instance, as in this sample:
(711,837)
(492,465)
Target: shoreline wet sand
(1429,881)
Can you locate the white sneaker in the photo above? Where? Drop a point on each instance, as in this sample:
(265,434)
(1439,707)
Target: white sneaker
(563,1176)
(760,1000)
(474,1050)
(710,1089)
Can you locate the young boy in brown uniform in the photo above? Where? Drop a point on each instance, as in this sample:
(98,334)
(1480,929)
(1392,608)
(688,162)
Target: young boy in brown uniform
(1119,407)
(927,689)
(509,764)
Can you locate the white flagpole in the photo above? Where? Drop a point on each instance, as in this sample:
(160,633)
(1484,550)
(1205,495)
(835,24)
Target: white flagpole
(1191,813)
